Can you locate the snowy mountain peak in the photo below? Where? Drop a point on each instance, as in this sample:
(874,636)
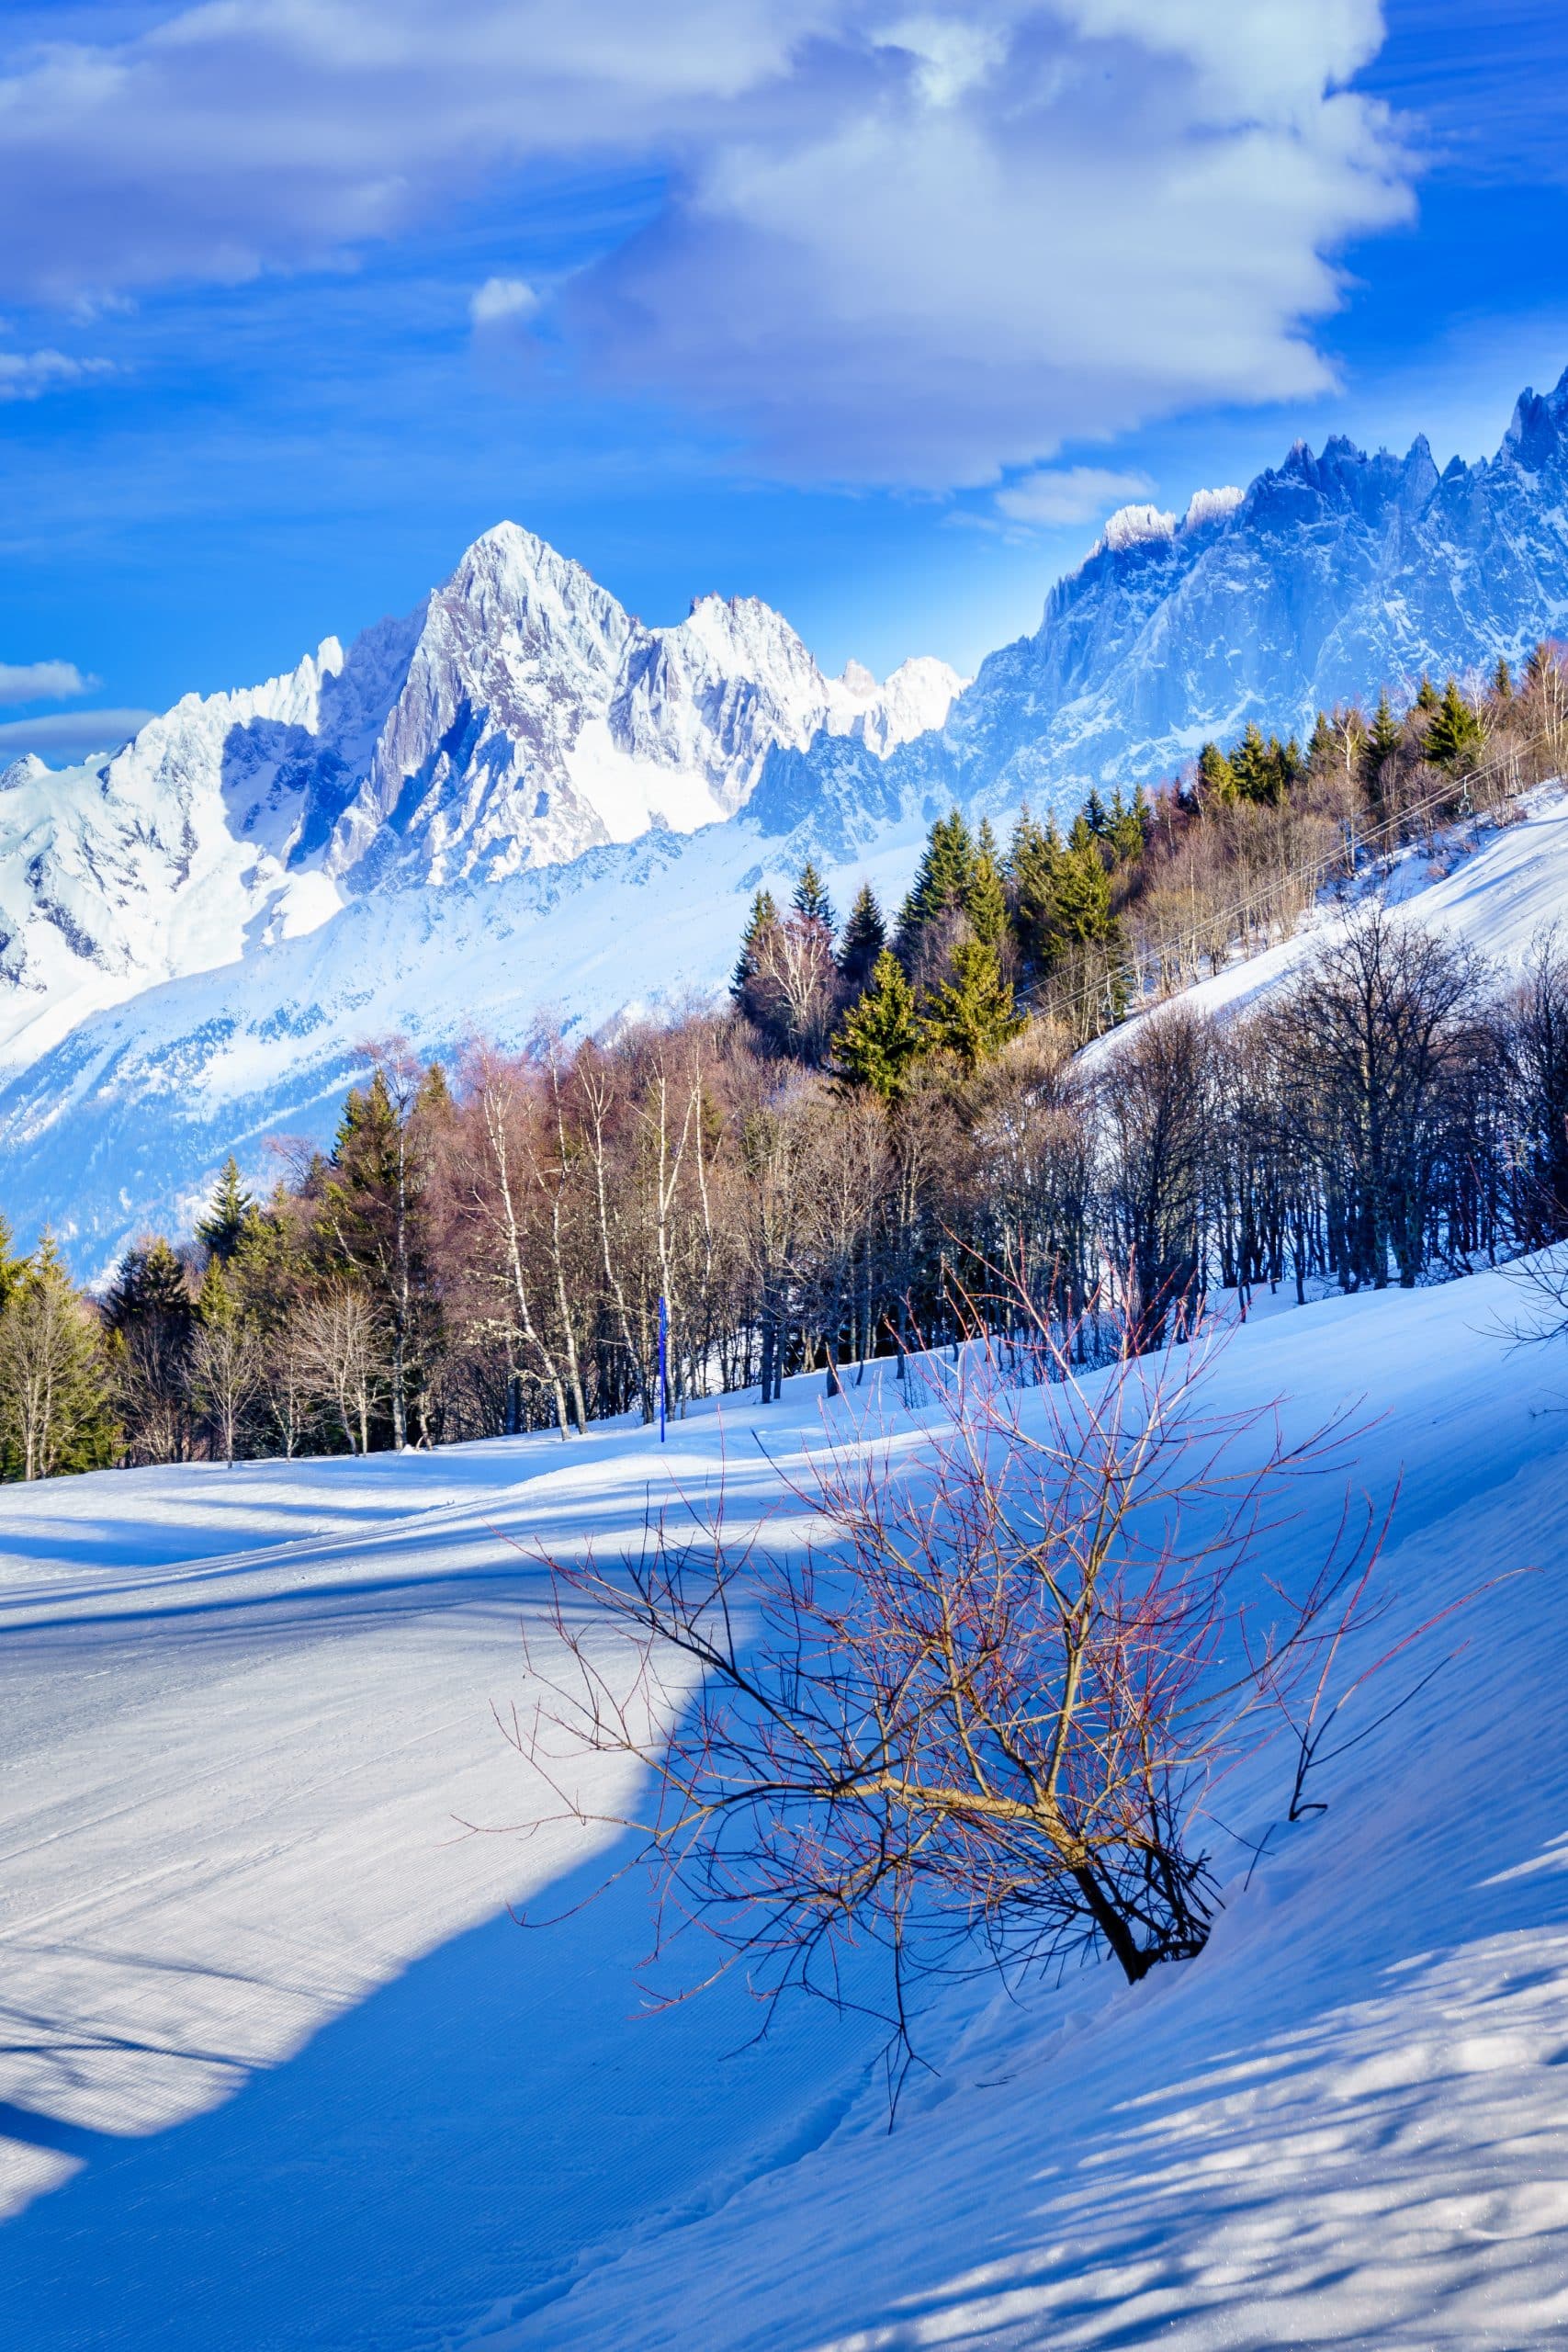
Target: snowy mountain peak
(1210,506)
(519,717)
(1535,429)
(1133,527)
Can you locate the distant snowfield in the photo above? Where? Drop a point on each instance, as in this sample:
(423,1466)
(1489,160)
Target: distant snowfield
(279,2071)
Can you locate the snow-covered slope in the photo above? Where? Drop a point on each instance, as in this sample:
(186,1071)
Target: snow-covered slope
(125,1121)
(519,720)
(282,2072)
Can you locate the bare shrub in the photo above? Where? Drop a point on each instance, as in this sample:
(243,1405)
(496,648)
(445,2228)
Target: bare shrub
(978,1720)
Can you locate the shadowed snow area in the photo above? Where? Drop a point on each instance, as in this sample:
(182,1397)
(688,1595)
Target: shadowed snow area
(279,2071)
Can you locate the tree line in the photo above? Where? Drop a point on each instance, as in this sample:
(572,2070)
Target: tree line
(833,1165)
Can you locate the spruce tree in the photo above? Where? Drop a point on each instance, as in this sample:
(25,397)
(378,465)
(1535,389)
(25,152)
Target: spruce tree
(1426,694)
(56,1409)
(1454,731)
(941,881)
(230,1210)
(1216,778)
(1503,680)
(1082,913)
(810,900)
(865,936)
(1128,833)
(1383,741)
(762,919)
(879,1038)
(1034,858)
(973,1014)
(986,899)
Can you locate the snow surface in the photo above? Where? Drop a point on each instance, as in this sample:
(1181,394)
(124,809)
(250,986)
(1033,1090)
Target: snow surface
(281,2071)
(1496,889)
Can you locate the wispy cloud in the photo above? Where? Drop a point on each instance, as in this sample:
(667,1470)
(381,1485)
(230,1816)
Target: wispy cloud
(42,680)
(27,375)
(896,245)
(1069,494)
(70,734)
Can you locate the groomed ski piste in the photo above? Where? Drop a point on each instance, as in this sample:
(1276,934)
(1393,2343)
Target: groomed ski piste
(282,2074)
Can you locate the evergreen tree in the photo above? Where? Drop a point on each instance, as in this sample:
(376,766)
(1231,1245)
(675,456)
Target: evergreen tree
(1127,834)
(1426,694)
(811,901)
(941,881)
(231,1208)
(1502,681)
(1082,912)
(1035,857)
(865,936)
(1384,739)
(973,1014)
(10,1265)
(763,918)
(1454,732)
(1216,778)
(374,1219)
(1095,815)
(986,899)
(879,1038)
(148,1308)
(55,1411)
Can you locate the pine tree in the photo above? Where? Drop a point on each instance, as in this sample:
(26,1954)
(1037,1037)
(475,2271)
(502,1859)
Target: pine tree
(1082,912)
(879,1038)
(1216,778)
(231,1208)
(10,1265)
(941,881)
(763,918)
(1035,857)
(811,901)
(1128,833)
(55,1411)
(865,936)
(374,1219)
(1503,680)
(1384,739)
(973,1014)
(986,899)
(1426,694)
(1454,732)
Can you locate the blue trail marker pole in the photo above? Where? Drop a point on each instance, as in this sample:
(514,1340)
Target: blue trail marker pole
(663,1361)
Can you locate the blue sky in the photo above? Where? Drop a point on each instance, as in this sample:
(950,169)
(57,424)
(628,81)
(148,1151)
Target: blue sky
(874,311)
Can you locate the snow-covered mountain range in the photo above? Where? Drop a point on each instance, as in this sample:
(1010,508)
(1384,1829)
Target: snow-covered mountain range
(521,800)
(518,720)
(1329,577)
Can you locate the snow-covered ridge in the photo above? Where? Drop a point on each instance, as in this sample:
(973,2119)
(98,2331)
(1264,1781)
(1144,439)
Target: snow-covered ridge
(519,717)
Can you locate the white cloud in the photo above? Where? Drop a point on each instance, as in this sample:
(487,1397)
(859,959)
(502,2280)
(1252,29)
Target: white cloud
(502,302)
(27,375)
(42,680)
(70,733)
(1071,494)
(913,244)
